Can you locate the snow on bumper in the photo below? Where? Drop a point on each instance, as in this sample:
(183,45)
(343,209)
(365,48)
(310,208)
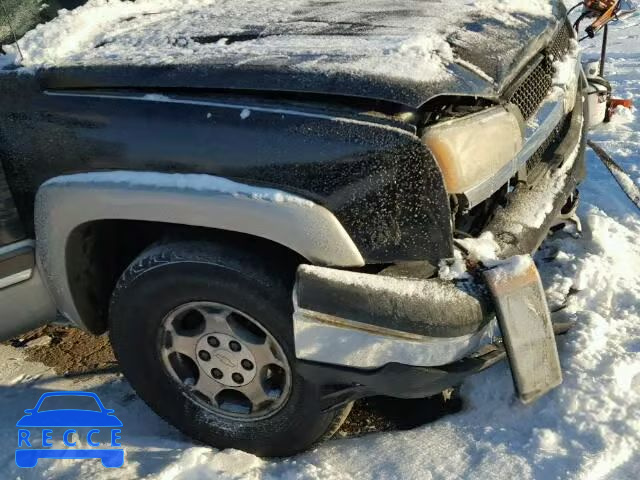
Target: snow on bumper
(431,332)
(366,321)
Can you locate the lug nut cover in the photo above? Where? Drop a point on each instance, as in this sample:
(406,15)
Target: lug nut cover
(234,346)
(213,341)
(204,355)
(215,373)
(237,378)
(247,364)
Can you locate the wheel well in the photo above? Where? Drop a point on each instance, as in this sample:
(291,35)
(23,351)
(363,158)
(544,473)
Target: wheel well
(98,252)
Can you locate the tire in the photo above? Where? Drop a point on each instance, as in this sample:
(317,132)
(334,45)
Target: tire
(167,278)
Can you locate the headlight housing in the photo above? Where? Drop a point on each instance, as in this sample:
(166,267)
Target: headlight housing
(472,149)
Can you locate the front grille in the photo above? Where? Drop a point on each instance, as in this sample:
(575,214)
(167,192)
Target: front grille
(533,90)
(560,43)
(535,87)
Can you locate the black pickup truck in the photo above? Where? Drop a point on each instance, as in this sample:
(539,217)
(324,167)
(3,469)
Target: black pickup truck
(272,205)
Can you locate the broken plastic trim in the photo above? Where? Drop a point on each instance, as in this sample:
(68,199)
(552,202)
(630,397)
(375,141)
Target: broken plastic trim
(342,385)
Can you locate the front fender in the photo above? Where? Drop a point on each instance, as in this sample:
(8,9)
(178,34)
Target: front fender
(66,202)
(372,173)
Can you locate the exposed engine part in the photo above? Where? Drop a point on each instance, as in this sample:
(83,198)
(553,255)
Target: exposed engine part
(470,222)
(442,108)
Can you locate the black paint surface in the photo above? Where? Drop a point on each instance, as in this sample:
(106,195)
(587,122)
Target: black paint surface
(378,179)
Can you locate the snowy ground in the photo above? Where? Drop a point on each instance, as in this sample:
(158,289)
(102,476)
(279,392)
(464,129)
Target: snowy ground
(587,428)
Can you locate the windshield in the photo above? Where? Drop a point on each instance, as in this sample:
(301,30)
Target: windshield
(69,402)
(26,14)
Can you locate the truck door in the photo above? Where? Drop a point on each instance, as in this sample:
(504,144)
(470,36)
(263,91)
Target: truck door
(16,253)
(25,302)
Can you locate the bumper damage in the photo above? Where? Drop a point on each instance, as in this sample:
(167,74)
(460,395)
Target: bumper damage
(360,334)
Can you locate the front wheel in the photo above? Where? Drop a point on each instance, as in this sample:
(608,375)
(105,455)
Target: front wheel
(203,332)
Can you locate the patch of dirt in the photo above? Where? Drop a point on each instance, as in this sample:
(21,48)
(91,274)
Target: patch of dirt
(382,414)
(70,351)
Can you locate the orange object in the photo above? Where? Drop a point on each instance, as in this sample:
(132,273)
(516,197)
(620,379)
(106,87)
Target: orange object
(620,102)
(616,102)
(600,5)
(605,9)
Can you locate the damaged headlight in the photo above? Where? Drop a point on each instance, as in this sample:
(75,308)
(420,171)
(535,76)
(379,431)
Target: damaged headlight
(471,149)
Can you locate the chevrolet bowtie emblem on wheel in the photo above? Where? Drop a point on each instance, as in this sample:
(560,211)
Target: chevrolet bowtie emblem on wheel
(225,360)
(72,420)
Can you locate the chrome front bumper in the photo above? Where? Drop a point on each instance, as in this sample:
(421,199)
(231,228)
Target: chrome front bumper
(323,334)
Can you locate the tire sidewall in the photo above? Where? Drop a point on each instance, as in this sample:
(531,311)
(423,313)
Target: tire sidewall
(138,309)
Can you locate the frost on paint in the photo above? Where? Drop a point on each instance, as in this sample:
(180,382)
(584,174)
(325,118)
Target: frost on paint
(192,182)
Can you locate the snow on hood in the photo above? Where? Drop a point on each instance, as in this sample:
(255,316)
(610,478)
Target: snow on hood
(588,428)
(406,44)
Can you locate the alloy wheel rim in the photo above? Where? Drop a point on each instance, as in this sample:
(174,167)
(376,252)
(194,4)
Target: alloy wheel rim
(225,361)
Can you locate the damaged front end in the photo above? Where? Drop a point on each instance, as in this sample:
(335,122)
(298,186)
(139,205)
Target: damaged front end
(360,335)
(396,334)
(404,332)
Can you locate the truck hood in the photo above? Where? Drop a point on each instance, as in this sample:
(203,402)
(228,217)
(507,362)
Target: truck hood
(400,51)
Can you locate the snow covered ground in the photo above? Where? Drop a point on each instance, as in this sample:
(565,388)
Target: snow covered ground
(587,428)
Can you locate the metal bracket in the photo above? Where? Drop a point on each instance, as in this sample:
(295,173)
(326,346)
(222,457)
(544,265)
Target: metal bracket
(525,321)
